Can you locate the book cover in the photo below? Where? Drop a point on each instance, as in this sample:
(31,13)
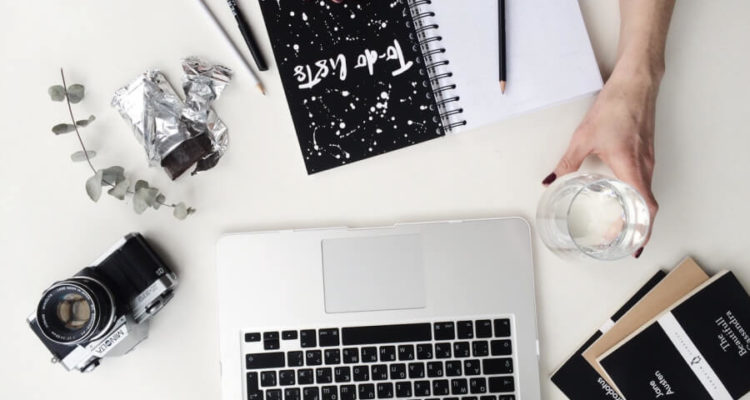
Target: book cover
(354,76)
(697,350)
(576,378)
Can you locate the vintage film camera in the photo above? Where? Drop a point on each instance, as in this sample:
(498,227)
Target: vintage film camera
(103,310)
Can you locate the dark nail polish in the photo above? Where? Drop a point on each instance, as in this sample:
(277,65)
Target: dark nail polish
(638,252)
(549,179)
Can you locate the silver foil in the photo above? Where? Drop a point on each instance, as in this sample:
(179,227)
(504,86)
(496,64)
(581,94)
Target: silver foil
(162,121)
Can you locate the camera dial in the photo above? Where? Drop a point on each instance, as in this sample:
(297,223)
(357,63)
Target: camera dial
(76,310)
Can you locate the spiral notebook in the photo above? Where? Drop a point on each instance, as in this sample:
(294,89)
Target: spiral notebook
(363,78)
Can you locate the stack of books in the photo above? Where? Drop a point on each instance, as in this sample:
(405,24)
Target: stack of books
(684,335)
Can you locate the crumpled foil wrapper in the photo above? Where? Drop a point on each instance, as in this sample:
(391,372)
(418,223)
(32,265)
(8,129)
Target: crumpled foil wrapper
(177,134)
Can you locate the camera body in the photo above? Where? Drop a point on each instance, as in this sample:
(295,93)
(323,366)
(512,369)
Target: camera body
(103,310)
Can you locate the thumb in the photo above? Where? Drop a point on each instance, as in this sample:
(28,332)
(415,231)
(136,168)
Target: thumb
(570,162)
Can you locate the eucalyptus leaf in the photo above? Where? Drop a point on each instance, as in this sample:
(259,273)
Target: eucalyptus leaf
(94,186)
(75,93)
(143,198)
(85,122)
(120,189)
(80,155)
(114,175)
(56,93)
(59,129)
(180,211)
(159,201)
(140,184)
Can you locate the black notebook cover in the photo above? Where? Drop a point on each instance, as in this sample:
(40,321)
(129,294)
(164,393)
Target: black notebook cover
(576,379)
(700,350)
(354,78)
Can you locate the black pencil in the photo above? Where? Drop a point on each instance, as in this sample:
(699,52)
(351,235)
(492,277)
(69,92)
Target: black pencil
(501,44)
(247,35)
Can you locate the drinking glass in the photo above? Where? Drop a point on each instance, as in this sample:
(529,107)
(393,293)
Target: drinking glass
(592,215)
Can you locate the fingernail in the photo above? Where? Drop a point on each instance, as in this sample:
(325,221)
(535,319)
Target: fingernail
(638,252)
(549,179)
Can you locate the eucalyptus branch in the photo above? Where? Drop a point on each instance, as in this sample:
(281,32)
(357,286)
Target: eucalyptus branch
(144,196)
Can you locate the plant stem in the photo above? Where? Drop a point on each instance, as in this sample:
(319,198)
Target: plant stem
(73,120)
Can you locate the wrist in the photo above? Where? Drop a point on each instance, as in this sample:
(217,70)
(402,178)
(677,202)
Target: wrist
(640,66)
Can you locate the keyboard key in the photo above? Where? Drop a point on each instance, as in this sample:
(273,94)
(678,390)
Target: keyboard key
(501,347)
(305,376)
(486,397)
(502,327)
(323,375)
(484,328)
(386,334)
(472,367)
(351,355)
(501,384)
(332,356)
(367,391)
(361,373)
(385,390)
(416,371)
(271,344)
(268,378)
(348,392)
(461,349)
(453,368)
(480,348)
(459,387)
(308,338)
(424,351)
(469,398)
(443,350)
(403,389)
(478,385)
(295,358)
(252,337)
(369,354)
(422,388)
(329,393)
(253,393)
(440,387)
(380,372)
(311,393)
(398,371)
(313,357)
(494,366)
(387,353)
(273,394)
(405,352)
(507,397)
(465,330)
(342,374)
(289,335)
(291,394)
(444,331)
(434,369)
(264,360)
(286,377)
(270,336)
(328,337)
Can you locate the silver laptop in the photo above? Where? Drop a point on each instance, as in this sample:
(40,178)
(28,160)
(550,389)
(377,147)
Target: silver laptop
(439,310)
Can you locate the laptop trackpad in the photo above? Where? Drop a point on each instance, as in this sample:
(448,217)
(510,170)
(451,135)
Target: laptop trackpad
(373,273)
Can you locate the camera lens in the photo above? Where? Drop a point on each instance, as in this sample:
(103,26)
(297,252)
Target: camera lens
(75,310)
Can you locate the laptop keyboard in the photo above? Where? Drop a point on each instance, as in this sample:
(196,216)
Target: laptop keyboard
(448,360)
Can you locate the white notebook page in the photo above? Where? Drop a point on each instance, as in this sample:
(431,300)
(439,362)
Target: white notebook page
(550,58)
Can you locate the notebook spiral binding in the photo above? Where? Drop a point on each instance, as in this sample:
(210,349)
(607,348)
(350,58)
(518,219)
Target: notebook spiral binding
(436,65)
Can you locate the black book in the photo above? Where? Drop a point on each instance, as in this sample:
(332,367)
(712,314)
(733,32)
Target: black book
(576,378)
(699,349)
(356,77)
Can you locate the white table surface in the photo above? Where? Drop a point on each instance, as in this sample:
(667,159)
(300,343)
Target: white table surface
(50,229)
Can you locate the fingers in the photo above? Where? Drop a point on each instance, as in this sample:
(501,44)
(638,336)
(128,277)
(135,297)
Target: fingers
(637,173)
(570,161)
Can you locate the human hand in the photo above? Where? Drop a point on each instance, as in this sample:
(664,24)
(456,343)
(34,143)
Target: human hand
(619,129)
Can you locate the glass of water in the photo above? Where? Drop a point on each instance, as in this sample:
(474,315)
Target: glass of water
(592,215)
